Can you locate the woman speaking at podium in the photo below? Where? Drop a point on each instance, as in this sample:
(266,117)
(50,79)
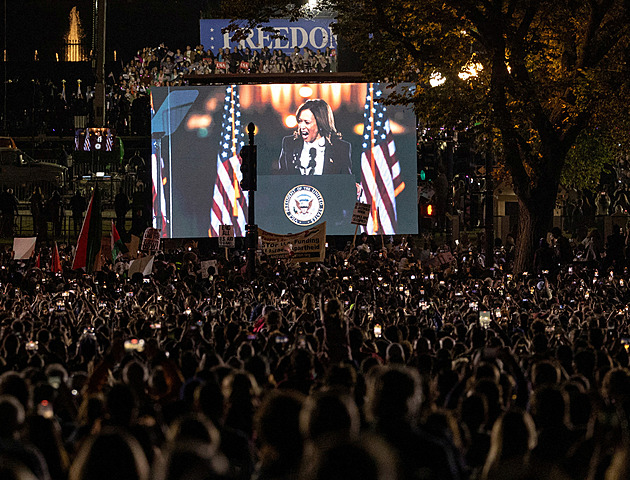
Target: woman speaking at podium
(316,147)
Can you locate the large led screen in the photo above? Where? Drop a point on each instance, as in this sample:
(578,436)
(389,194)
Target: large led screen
(320,149)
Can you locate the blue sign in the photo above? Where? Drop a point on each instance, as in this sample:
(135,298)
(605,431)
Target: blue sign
(314,34)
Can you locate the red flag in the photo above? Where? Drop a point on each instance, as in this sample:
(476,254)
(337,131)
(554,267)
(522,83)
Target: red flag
(89,243)
(38,260)
(116,243)
(55,266)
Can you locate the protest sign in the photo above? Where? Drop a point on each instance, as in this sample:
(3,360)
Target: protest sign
(24,247)
(307,246)
(151,240)
(360,214)
(226,236)
(142,265)
(205,265)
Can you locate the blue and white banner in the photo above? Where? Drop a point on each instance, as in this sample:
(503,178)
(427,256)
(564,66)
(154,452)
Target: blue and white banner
(315,34)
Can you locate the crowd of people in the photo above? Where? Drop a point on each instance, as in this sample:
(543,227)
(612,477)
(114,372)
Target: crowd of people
(389,360)
(54,107)
(163,67)
(159,66)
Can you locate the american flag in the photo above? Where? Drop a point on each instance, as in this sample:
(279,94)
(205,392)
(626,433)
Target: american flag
(381,182)
(109,141)
(229,202)
(86,141)
(157,189)
(158,181)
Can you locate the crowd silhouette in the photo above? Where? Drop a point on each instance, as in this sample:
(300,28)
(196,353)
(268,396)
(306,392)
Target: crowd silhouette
(371,364)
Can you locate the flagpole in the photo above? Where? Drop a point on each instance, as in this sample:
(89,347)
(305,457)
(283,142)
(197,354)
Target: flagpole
(251,228)
(382,231)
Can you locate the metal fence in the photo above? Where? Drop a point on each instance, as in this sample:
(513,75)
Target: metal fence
(23,224)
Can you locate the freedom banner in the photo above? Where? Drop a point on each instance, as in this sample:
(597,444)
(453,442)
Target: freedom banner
(314,33)
(308,246)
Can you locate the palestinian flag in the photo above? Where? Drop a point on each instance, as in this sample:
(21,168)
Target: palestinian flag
(89,244)
(118,247)
(55,266)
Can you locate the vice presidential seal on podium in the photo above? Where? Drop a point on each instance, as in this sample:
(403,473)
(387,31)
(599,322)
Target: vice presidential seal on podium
(304,205)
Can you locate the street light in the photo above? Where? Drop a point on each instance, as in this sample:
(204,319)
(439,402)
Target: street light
(436,79)
(470,70)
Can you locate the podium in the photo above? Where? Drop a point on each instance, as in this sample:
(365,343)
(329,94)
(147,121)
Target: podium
(293,203)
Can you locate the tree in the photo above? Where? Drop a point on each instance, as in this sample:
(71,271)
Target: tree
(535,76)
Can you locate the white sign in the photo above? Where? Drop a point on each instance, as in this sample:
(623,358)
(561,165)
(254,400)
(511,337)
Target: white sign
(361,214)
(205,265)
(151,240)
(142,265)
(226,236)
(24,247)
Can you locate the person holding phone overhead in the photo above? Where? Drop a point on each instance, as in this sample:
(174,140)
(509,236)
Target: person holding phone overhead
(316,147)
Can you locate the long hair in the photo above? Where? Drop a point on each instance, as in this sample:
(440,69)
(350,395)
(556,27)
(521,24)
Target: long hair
(323,117)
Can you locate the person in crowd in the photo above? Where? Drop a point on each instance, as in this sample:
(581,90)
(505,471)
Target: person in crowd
(12,446)
(563,250)
(593,247)
(140,215)
(37,211)
(8,211)
(279,436)
(615,253)
(121,207)
(111,453)
(543,257)
(513,439)
(55,211)
(393,406)
(77,204)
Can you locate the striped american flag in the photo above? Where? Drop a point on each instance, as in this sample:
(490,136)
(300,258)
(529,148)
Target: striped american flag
(229,201)
(381,181)
(157,189)
(158,182)
(109,141)
(86,142)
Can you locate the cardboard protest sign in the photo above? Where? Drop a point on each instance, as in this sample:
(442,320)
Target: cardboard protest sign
(151,240)
(142,265)
(226,236)
(360,214)
(205,265)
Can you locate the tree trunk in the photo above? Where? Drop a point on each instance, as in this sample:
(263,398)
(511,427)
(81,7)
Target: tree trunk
(535,221)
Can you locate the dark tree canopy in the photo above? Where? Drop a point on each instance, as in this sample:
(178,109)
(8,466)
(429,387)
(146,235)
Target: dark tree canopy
(540,78)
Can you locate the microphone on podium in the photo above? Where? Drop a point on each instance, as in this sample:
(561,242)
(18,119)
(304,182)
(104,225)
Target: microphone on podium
(312,164)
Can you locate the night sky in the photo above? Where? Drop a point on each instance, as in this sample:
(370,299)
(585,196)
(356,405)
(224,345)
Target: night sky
(131,25)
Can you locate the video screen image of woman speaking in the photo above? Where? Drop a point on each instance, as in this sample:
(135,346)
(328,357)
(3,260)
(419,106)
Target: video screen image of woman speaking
(320,149)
